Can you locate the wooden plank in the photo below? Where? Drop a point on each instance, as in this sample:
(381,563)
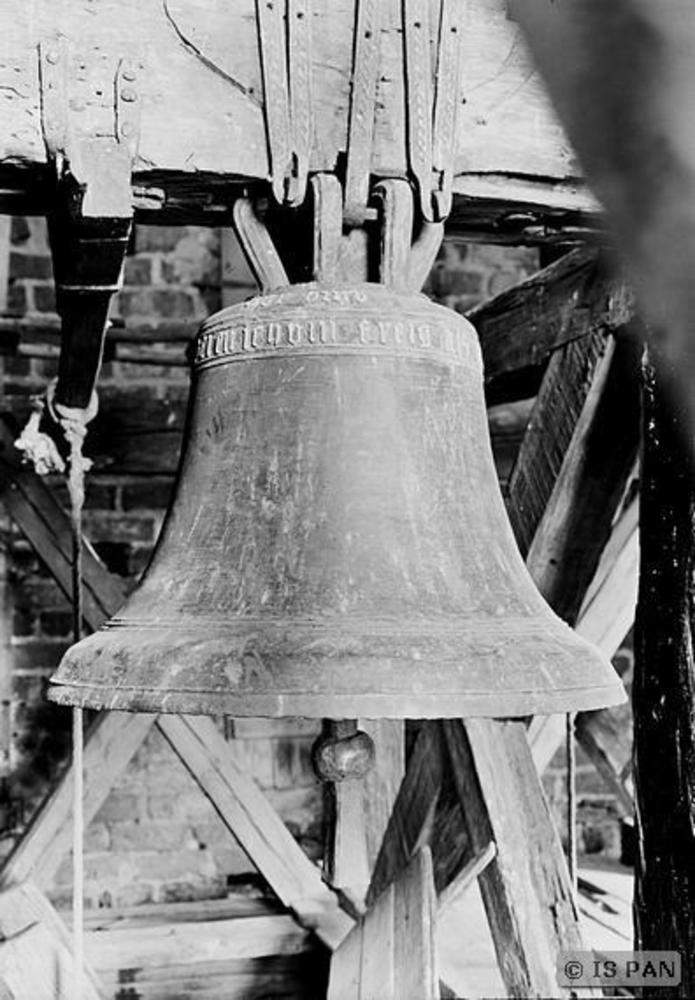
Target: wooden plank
(391,951)
(663,692)
(563,498)
(232,907)
(201,941)
(606,736)
(346,864)
(526,888)
(201,103)
(5,229)
(113,740)
(257,984)
(564,391)
(184,984)
(414,905)
(412,818)
(472,870)
(256,825)
(608,609)
(566,485)
(577,520)
(382,783)
(521,327)
(36,952)
(606,616)
(137,976)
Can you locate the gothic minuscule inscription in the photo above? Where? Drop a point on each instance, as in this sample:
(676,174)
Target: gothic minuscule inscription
(247,339)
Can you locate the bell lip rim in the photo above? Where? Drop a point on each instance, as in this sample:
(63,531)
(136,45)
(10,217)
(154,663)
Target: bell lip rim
(379,706)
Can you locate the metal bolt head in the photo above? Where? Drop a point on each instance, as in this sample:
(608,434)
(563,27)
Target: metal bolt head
(128,96)
(52,57)
(126,129)
(129,75)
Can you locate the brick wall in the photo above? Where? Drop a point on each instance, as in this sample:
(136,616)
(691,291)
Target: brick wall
(156,838)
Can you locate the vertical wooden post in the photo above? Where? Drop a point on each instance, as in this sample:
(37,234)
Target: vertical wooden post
(5,229)
(664,686)
(5,594)
(525,888)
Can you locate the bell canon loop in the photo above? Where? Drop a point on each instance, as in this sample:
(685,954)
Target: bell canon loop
(337,545)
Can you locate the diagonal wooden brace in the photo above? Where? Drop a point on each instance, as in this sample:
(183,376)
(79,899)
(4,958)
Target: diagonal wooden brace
(114,737)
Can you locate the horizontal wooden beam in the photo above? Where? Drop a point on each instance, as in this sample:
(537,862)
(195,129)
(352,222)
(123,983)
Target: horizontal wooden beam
(496,208)
(159,946)
(520,328)
(200,96)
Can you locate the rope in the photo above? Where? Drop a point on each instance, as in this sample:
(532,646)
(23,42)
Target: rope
(74,425)
(78,853)
(571,800)
(40,449)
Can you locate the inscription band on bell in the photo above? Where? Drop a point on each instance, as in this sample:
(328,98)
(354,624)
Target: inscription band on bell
(368,335)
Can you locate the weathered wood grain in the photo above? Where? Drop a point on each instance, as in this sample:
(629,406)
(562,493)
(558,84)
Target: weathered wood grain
(357,812)
(414,911)
(200,941)
(113,740)
(5,225)
(36,953)
(564,491)
(663,690)
(391,951)
(258,828)
(606,737)
(551,425)
(521,327)
(577,519)
(282,977)
(345,862)
(525,888)
(382,783)
(608,609)
(201,91)
(412,817)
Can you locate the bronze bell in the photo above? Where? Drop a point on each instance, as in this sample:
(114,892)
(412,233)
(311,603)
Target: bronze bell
(337,545)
